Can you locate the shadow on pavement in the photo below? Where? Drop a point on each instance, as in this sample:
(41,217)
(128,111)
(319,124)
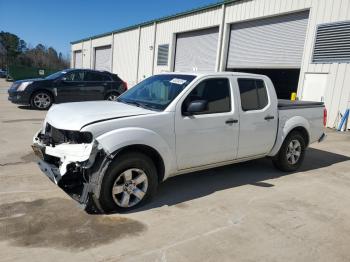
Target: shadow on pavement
(190,186)
(27,108)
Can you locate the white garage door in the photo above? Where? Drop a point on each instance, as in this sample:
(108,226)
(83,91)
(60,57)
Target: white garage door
(78,59)
(276,42)
(196,50)
(103,58)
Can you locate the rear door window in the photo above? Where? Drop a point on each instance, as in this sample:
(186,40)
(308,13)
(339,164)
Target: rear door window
(253,94)
(95,77)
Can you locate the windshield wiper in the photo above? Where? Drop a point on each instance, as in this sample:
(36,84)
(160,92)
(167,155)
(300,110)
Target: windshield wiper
(138,104)
(135,103)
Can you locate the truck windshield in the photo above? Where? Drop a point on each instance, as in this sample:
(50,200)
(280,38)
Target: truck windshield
(156,92)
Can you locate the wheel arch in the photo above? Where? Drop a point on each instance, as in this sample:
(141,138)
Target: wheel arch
(142,139)
(112,92)
(302,130)
(148,151)
(42,90)
(296,123)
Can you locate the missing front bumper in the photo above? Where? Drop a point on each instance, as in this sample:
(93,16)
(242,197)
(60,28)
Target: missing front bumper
(51,171)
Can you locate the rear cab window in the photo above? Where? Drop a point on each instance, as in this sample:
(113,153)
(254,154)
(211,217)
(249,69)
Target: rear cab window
(253,94)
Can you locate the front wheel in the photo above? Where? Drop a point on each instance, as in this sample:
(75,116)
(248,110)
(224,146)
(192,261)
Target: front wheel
(291,154)
(130,181)
(41,100)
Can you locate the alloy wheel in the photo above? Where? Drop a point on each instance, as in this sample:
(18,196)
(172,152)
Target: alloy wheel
(112,97)
(293,152)
(130,187)
(42,100)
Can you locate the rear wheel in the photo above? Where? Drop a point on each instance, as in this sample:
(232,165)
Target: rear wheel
(41,100)
(112,96)
(130,181)
(291,154)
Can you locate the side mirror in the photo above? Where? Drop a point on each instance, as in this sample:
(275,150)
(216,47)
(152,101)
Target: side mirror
(196,107)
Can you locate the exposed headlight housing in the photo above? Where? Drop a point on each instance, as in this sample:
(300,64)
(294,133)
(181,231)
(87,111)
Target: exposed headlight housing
(54,136)
(23,86)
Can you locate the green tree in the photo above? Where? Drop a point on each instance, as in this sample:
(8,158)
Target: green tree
(12,45)
(14,50)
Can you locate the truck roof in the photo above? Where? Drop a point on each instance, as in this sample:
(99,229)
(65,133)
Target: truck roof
(205,73)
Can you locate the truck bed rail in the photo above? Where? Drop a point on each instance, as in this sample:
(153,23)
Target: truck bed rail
(284,104)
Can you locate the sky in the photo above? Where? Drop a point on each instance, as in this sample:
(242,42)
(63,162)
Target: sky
(57,23)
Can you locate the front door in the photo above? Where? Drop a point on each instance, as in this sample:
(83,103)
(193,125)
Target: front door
(258,118)
(212,135)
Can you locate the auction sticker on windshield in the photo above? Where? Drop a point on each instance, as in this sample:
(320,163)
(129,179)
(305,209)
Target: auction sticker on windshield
(178,81)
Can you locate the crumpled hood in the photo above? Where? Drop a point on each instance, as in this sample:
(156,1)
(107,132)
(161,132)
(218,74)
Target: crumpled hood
(73,116)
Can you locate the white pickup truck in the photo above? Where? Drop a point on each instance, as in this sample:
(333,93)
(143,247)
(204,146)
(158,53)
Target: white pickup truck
(113,155)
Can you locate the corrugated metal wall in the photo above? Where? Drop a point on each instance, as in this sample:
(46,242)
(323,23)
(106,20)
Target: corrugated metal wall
(132,62)
(125,55)
(146,52)
(337,93)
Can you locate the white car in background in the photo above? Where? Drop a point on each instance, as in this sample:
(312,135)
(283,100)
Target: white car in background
(113,155)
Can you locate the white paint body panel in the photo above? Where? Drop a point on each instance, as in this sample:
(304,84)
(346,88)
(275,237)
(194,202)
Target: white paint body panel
(253,123)
(205,139)
(187,144)
(309,118)
(73,116)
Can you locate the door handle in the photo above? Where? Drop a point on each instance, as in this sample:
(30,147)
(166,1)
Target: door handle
(269,117)
(231,121)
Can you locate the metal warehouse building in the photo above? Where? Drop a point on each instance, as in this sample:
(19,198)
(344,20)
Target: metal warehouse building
(302,45)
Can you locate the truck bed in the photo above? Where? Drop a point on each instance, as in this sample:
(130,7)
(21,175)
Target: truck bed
(284,104)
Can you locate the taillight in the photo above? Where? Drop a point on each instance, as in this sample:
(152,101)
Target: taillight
(125,84)
(324,117)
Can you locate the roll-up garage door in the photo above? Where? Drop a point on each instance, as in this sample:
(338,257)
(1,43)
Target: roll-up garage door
(276,42)
(103,58)
(196,50)
(78,59)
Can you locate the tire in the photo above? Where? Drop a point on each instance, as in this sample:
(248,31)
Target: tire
(41,100)
(285,156)
(115,188)
(112,96)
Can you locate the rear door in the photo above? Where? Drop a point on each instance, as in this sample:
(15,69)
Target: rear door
(212,136)
(258,117)
(70,88)
(96,84)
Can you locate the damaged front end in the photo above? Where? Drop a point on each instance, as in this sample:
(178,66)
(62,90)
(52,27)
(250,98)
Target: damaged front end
(70,159)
